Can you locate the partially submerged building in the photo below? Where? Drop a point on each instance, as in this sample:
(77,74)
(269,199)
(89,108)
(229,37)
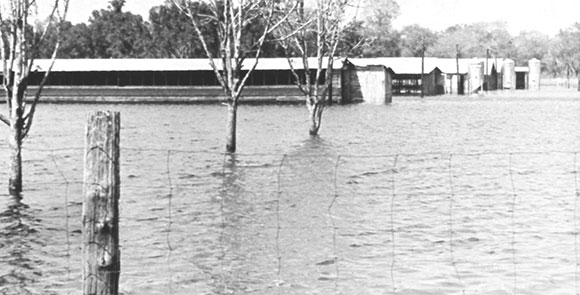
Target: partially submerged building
(522,77)
(407,78)
(170,80)
(370,83)
(373,80)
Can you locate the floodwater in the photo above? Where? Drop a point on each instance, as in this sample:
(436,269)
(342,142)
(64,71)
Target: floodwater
(441,195)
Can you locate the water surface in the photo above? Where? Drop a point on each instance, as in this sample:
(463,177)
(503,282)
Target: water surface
(442,195)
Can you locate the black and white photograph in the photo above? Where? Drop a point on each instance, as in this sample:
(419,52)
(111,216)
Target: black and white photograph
(289,147)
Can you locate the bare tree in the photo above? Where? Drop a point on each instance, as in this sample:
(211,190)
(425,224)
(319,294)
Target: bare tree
(232,20)
(313,35)
(20,40)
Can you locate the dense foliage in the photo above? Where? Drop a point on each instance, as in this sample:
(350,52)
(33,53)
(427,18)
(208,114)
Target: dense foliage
(113,33)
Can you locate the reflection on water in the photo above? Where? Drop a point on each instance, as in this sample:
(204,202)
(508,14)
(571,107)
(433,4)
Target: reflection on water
(436,196)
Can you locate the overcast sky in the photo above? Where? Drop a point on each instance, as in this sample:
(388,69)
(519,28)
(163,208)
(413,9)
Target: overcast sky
(546,16)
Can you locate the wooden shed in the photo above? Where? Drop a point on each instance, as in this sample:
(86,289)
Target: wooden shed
(434,82)
(369,83)
(492,79)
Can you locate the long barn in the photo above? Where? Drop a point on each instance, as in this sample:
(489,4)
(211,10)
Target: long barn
(165,80)
(374,80)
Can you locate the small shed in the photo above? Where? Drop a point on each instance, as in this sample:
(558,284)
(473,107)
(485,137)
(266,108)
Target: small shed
(476,77)
(369,83)
(492,79)
(434,82)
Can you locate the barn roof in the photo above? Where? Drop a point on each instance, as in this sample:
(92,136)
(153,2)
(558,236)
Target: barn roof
(152,64)
(400,65)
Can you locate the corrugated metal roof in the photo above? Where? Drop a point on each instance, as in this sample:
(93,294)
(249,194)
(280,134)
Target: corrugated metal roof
(143,65)
(400,65)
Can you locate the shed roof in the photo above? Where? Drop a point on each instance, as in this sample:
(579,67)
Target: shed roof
(173,64)
(522,69)
(399,65)
(412,65)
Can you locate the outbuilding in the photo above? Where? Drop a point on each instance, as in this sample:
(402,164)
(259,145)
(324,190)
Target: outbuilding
(369,83)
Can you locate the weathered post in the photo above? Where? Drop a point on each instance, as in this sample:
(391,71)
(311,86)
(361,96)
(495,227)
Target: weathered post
(100,250)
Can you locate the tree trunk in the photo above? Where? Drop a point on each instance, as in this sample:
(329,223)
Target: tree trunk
(567,77)
(316,117)
(15,145)
(231,127)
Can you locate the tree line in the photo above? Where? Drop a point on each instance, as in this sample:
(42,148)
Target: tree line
(112,32)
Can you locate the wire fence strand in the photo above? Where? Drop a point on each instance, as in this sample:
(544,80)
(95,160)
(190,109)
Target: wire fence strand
(513,212)
(451,197)
(393,195)
(576,196)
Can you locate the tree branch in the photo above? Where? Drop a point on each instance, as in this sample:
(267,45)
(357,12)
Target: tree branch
(259,46)
(46,27)
(4,119)
(28,118)
(196,26)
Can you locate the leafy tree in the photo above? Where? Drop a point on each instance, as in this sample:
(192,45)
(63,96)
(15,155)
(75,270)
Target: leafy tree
(382,39)
(531,44)
(353,40)
(380,13)
(553,61)
(568,49)
(173,35)
(117,34)
(474,40)
(76,41)
(416,39)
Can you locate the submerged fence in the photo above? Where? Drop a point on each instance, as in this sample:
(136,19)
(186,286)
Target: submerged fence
(309,222)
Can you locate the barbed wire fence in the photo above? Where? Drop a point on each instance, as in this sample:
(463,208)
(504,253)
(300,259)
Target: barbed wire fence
(313,221)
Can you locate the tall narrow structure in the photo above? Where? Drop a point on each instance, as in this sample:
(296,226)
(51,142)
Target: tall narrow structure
(535,67)
(509,74)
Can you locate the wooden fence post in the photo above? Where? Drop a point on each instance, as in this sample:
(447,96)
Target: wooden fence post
(100,250)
